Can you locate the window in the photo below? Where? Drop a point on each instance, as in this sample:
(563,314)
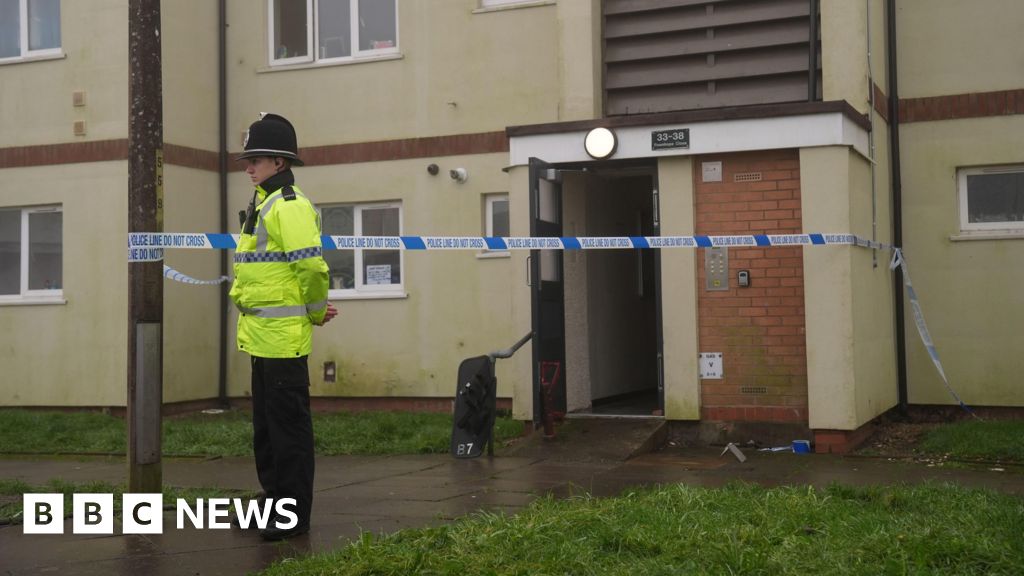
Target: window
(991,198)
(29,28)
(328,30)
(496,215)
(495,222)
(31,253)
(363,271)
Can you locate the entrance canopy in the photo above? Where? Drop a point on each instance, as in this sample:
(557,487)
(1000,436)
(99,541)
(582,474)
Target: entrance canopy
(769,127)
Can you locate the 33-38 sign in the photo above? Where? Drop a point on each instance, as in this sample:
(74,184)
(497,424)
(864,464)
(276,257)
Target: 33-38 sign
(675,138)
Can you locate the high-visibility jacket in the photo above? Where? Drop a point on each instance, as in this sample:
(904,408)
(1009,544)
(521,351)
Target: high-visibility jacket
(281,279)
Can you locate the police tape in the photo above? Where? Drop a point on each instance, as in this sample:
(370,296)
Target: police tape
(173,274)
(922,328)
(149,246)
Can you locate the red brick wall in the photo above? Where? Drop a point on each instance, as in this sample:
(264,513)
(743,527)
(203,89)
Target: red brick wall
(760,330)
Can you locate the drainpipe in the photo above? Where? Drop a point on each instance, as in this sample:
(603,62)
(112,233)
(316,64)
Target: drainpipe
(222,90)
(897,206)
(871,141)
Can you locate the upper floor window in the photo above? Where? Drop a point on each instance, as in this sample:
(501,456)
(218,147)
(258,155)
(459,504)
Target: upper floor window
(31,253)
(304,31)
(991,198)
(362,271)
(29,28)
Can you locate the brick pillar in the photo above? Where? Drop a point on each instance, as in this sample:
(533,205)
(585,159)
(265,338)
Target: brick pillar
(759,329)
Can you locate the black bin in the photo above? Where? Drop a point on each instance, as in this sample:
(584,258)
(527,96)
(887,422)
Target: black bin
(475,407)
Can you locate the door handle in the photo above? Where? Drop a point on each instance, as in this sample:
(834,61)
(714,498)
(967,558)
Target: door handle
(528,279)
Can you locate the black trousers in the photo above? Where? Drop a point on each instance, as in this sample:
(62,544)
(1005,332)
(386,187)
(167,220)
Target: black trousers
(282,428)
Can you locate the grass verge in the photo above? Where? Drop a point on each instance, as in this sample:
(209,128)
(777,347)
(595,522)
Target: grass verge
(998,440)
(739,529)
(12,490)
(230,433)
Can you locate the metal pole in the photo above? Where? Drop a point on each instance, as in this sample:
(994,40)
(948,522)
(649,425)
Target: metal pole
(145,214)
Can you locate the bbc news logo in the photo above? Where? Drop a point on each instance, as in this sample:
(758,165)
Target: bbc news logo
(144,513)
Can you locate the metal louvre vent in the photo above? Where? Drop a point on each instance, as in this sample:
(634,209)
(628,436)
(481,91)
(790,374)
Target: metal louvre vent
(746,177)
(667,55)
(753,390)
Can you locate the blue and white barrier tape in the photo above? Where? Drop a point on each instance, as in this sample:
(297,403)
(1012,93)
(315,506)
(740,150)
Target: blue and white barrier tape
(173,274)
(149,247)
(922,328)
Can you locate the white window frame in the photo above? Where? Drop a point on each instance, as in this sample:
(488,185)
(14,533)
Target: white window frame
(982,227)
(25,294)
(490,199)
(313,33)
(26,53)
(488,227)
(362,289)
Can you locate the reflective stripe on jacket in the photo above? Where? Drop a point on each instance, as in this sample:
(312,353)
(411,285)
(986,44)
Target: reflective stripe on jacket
(281,279)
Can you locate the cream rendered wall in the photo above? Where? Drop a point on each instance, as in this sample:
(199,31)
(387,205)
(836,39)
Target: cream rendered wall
(828,290)
(190,67)
(580,59)
(191,313)
(851,374)
(679,291)
(873,307)
(35,97)
(844,46)
(191,199)
(970,291)
(953,47)
(459,72)
(72,354)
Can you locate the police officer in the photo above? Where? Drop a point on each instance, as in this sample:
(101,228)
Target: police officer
(280,290)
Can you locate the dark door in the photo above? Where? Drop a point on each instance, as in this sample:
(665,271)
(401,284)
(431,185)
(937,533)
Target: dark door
(547,289)
(655,230)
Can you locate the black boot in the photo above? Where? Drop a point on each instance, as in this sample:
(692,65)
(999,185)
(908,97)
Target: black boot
(274,531)
(235,523)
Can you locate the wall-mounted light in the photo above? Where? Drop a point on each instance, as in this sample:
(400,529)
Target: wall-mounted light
(600,143)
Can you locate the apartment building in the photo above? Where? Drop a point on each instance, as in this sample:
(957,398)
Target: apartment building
(471,118)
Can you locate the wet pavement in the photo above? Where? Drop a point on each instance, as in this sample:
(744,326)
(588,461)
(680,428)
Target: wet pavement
(384,494)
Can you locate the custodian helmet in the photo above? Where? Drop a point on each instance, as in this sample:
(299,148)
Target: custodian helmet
(271,135)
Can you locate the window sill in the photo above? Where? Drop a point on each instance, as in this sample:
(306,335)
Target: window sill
(39,58)
(369,296)
(493,255)
(314,65)
(504,7)
(988,235)
(60,301)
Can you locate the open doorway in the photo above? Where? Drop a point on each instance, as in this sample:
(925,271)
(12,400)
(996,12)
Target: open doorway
(612,301)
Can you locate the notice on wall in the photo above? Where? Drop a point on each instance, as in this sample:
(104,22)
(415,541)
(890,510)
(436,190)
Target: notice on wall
(379,274)
(711,365)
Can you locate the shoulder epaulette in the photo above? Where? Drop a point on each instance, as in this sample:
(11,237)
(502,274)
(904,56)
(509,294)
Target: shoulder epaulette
(288,193)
